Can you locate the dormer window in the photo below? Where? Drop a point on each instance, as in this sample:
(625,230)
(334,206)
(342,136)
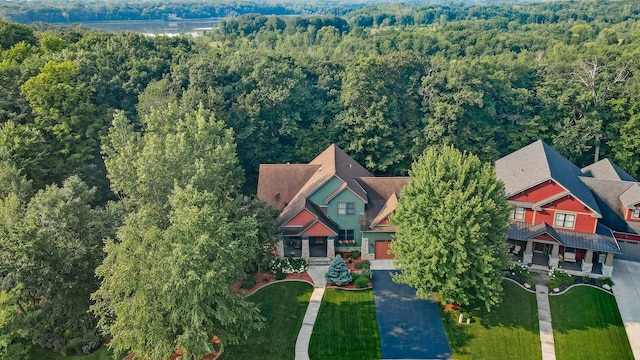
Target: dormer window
(517,213)
(346,208)
(564,220)
(635,214)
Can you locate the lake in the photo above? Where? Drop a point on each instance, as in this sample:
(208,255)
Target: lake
(155,27)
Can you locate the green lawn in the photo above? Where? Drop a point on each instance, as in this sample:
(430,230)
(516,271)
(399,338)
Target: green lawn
(346,327)
(508,332)
(587,325)
(41,354)
(283,305)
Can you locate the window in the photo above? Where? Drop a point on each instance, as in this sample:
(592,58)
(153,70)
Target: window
(564,220)
(635,214)
(346,235)
(517,213)
(346,208)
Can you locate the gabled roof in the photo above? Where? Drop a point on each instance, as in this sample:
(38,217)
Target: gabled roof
(279,183)
(538,162)
(602,240)
(631,196)
(605,169)
(287,187)
(609,194)
(380,192)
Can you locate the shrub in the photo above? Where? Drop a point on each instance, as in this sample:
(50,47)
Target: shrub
(248,283)
(355,254)
(280,275)
(338,273)
(361,282)
(524,275)
(560,278)
(602,281)
(366,273)
(586,279)
(289,265)
(363,265)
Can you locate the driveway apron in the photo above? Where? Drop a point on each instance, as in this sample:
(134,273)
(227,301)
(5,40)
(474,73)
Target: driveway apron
(410,327)
(626,277)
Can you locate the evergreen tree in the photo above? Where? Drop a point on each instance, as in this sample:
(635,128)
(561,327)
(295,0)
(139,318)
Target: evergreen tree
(338,273)
(450,229)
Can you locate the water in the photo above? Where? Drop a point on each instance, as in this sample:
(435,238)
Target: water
(195,27)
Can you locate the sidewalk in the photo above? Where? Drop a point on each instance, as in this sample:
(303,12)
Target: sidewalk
(304,336)
(626,289)
(544,318)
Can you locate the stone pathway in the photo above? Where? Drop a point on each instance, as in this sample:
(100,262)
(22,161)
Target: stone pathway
(544,318)
(304,336)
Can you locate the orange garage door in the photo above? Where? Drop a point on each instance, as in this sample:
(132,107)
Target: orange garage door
(382,246)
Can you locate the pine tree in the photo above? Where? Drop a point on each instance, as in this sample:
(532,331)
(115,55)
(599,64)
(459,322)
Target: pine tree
(338,273)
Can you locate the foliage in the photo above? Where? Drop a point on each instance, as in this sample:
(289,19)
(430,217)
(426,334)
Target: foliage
(55,241)
(509,331)
(283,305)
(289,265)
(365,264)
(588,319)
(248,283)
(355,254)
(602,281)
(166,280)
(361,282)
(450,227)
(559,279)
(346,324)
(338,273)
(522,272)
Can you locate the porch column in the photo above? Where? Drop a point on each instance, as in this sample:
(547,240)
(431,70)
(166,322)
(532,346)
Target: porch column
(280,249)
(607,267)
(365,251)
(331,251)
(305,248)
(553,259)
(527,257)
(587,263)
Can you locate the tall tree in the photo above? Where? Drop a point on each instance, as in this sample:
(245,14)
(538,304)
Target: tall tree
(166,280)
(450,229)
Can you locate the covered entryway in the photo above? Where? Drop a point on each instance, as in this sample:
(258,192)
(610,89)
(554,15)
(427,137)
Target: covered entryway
(382,249)
(317,246)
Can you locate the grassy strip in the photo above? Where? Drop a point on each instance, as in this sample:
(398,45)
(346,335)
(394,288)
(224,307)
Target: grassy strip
(587,325)
(346,327)
(510,331)
(283,305)
(41,354)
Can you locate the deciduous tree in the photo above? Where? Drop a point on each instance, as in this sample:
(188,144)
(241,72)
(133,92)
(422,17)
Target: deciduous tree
(450,229)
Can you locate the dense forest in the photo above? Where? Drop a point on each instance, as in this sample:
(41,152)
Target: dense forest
(132,138)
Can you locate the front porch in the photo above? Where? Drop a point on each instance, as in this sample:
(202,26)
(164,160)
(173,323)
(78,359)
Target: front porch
(543,256)
(319,247)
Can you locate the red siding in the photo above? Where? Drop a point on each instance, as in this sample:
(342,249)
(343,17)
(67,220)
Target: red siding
(546,237)
(539,192)
(627,237)
(568,203)
(584,222)
(318,229)
(628,213)
(528,215)
(303,218)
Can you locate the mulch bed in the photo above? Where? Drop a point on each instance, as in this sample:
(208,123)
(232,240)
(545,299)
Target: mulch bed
(265,278)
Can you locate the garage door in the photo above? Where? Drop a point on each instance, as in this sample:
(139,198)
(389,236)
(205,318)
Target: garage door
(382,247)
(630,250)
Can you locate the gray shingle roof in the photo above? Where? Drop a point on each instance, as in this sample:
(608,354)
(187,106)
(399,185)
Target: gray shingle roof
(601,241)
(605,169)
(609,193)
(538,162)
(631,196)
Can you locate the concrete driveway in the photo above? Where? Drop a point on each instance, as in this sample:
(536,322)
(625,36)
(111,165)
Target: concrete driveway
(626,289)
(410,328)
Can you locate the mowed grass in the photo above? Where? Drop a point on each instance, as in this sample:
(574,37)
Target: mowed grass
(510,331)
(283,305)
(41,354)
(346,327)
(587,325)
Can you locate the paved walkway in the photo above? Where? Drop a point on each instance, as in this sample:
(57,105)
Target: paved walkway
(304,336)
(626,289)
(544,317)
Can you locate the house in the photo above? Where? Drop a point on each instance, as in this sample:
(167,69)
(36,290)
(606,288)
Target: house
(563,216)
(330,204)
(558,219)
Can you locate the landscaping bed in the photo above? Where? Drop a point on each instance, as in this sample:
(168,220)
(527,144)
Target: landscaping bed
(511,331)
(587,324)
(346,327)
(283,305)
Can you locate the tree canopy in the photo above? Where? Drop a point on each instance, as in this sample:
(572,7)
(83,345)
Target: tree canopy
(450,229)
